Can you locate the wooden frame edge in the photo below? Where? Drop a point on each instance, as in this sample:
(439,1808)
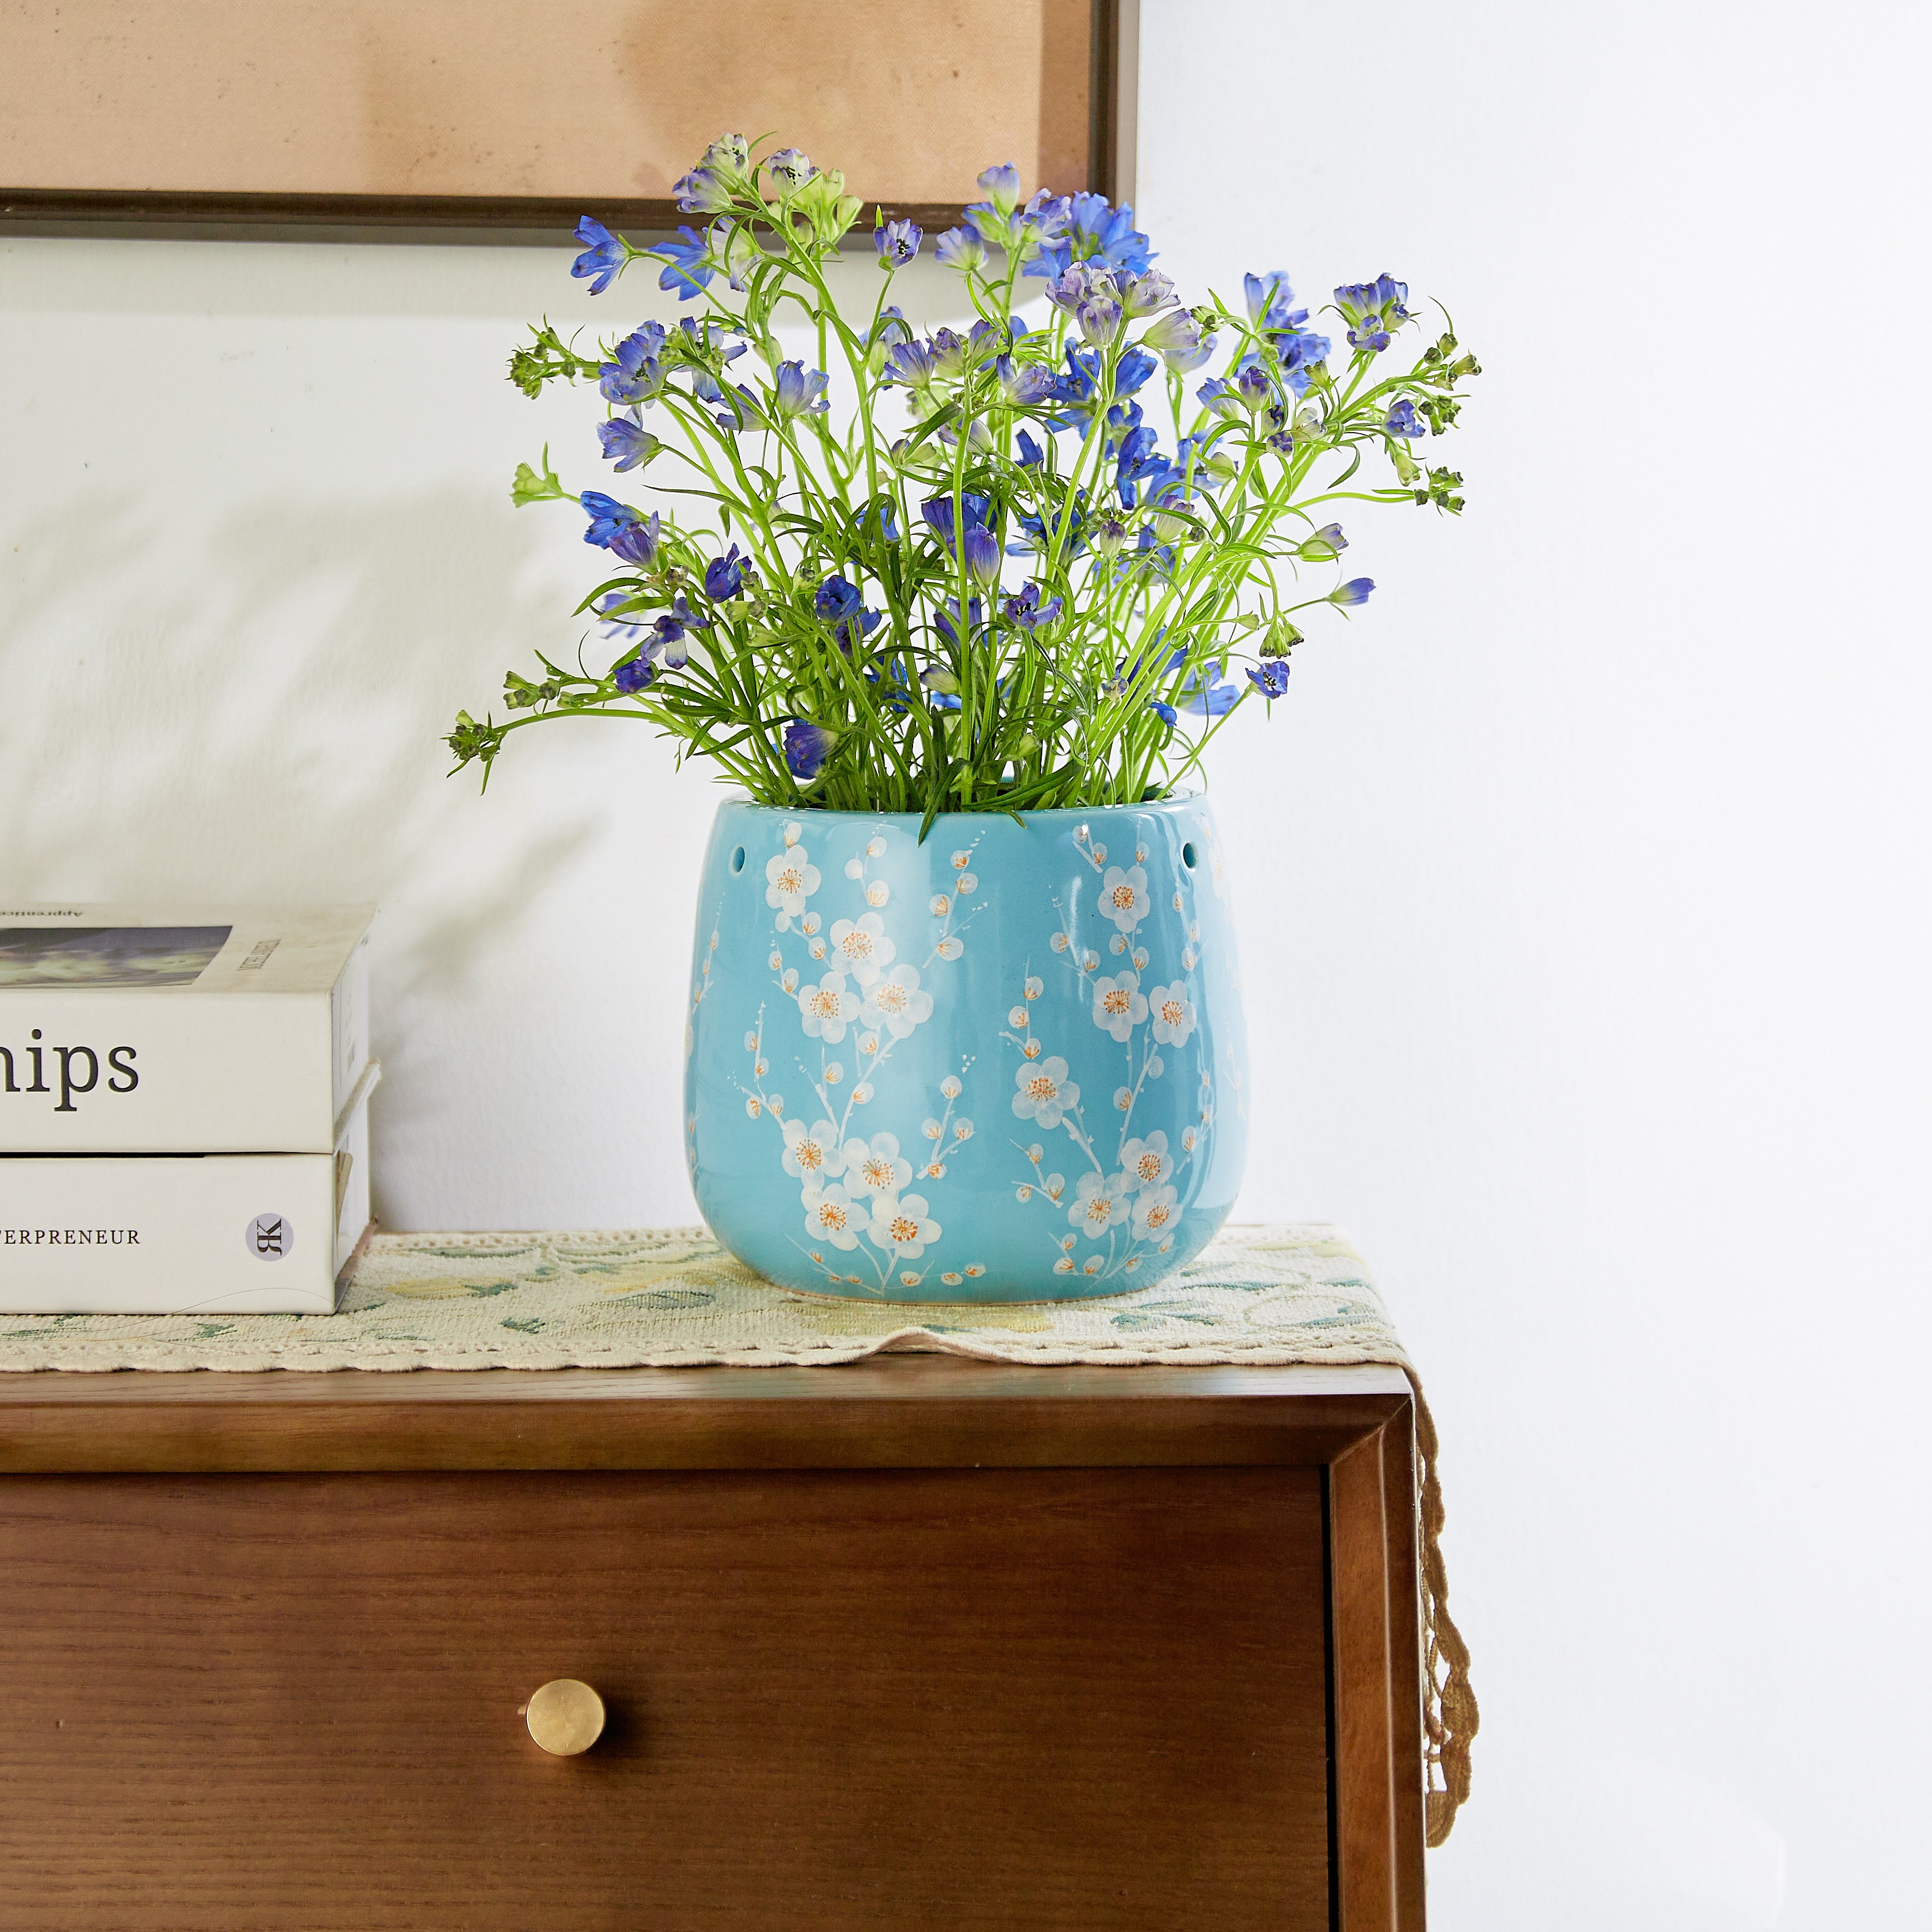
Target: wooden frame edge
(1379,1815)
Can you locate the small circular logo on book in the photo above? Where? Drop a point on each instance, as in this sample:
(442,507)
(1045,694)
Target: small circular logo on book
(270,1236)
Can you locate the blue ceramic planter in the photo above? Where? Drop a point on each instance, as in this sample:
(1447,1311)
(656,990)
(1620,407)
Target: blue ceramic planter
(1006,1064)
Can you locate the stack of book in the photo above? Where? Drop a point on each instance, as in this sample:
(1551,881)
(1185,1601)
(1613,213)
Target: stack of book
(184,1118)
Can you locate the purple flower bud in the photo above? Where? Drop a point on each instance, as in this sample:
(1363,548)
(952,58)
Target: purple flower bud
(703,191)
(937,510)
(1345,596)
(1000,185)
(960,248)
(807,746)
(980,550)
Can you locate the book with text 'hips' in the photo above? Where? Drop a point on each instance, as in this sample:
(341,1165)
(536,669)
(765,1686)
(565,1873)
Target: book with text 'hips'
(129,1030)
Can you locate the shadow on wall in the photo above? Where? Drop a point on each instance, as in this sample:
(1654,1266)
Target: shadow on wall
(258,721)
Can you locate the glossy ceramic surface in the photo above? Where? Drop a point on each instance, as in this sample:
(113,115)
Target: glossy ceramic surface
(1006,1064)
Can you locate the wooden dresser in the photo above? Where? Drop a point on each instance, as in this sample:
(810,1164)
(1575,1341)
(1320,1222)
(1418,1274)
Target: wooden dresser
(912,1643)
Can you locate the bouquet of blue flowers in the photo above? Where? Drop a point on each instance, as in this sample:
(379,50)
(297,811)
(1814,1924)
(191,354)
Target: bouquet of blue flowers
(1024,566)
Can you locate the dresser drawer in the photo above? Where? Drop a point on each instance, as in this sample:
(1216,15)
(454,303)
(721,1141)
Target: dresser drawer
(1015,1698)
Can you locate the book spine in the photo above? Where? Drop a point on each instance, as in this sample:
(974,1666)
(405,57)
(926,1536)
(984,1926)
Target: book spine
(220,1234)
(97,1071)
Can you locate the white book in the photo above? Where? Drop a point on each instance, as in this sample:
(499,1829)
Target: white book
(256,1234)
(126,1031)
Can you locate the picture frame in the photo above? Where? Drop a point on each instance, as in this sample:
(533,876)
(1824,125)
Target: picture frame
(344,120)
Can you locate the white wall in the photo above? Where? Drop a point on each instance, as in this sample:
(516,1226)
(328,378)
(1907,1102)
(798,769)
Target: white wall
(1584,872)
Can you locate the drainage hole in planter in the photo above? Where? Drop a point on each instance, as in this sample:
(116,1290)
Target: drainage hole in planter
(1187,855)
(738,860)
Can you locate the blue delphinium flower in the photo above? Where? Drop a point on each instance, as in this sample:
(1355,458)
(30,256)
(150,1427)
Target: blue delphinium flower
(1149,557)
(979,551)
(1205,692)
(631,676)
(1075,390)
(627,443)
(724,576)
(1091,229)
(740,409)
(1039,533)
(946,622)
(891,329)
(1147,293)
(1355,591)
(839,605)
(686,268)
(1030,451)
(729,155)
(998,220)
(951,352)
(1165,713)
(1000,185)
(960,248)
(637,542)
(672,628)
(978,435)
(1271,301)
(890,689)
(1373,310)
(800,391)
(703,191)
(1301,352)
(1123,419)
(1210,467)
(977,509)
(703,338)
(1322,546)
(635,373)
(789,168)
(1027,610)
(1023,383)
(1141,464)
(1269,677)
(807,746)
(1402,420)
(897,242)
(604,255)
(619,629)
(1176,337)
(607,517)
(880,521)
(736,249)
(943,687)
(911,363)
(1253,388)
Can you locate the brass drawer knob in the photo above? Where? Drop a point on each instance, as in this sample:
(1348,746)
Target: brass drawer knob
(565,1717)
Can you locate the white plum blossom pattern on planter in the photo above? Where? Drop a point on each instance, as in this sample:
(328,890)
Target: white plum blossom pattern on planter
(1123,1209)
(868,1217)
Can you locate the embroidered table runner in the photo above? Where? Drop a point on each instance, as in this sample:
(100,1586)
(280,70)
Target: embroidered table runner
(1260,1297)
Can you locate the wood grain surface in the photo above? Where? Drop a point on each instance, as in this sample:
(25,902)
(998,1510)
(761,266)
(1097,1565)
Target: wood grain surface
(896,1411)
(1006,1698)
